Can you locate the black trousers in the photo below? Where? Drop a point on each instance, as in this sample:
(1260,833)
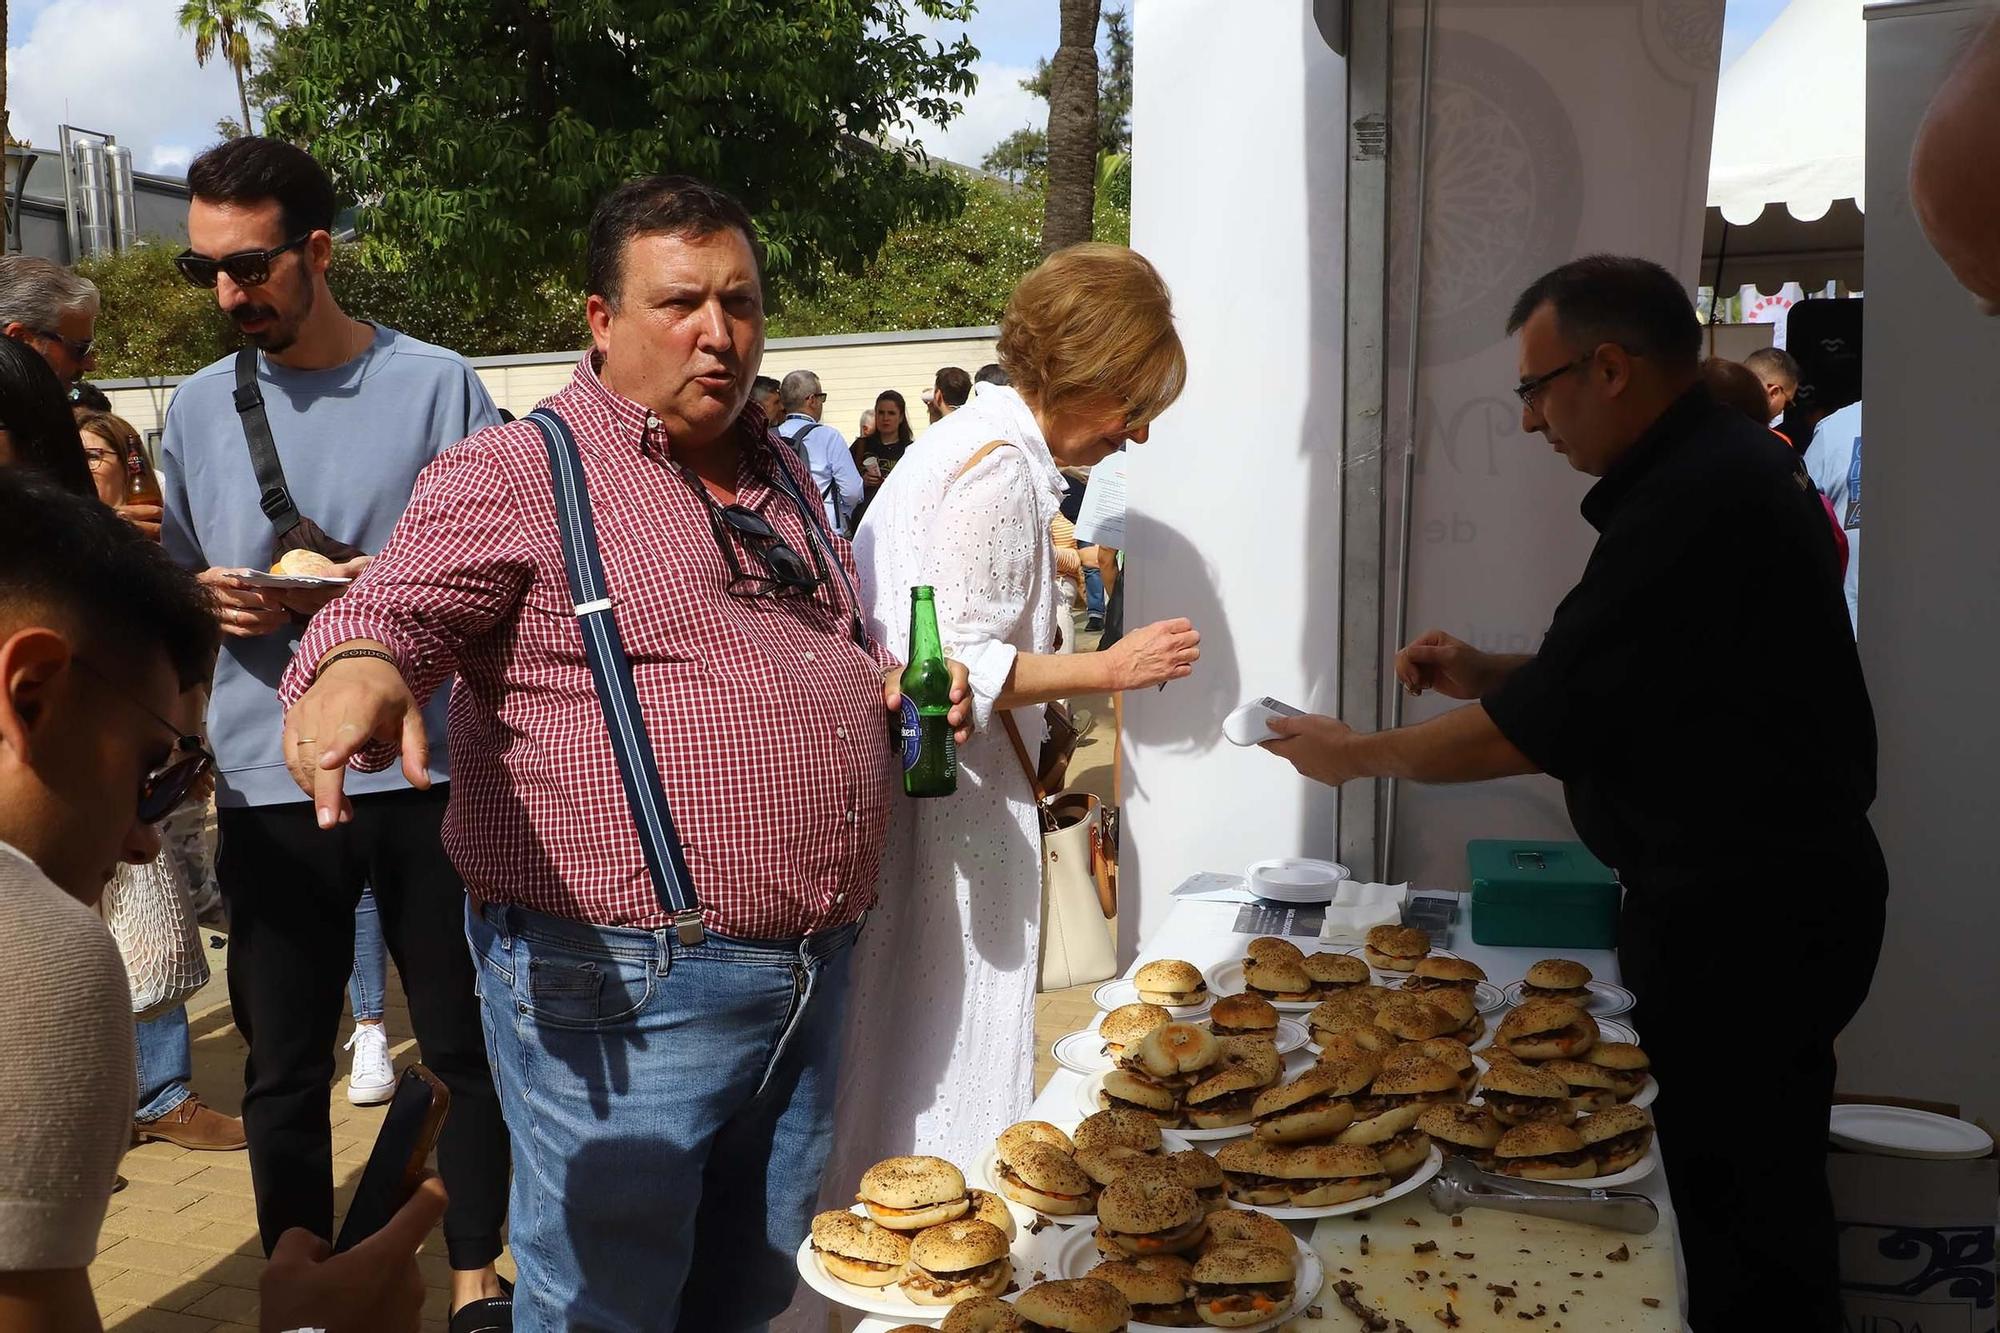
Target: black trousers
(292,889)
(1738,1008)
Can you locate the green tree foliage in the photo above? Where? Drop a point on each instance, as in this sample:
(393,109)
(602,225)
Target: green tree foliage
(225,27)
(478,134)
(1021,157)
(950,274)
(955,274)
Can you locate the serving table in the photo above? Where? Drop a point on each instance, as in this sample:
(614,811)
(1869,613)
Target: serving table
(1202,932)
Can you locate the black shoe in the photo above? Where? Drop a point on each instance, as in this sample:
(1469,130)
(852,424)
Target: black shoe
(489,1314)
(1094,625)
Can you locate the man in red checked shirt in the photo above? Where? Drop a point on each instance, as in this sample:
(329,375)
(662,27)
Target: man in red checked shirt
(666,1068)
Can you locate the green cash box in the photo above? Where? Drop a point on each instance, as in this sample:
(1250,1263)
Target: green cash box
(1543,895)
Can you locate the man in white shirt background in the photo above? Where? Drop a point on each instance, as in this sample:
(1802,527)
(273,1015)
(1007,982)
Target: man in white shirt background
(825,452)
(1834,460)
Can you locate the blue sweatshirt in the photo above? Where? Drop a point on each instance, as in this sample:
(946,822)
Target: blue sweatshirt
(352,440)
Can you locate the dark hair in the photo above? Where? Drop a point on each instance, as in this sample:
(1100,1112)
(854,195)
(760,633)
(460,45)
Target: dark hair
(1736,386)
(252,169)
(903,435)
(1617,299)
(657,205)
(762,385)
(953,385)
(1773,361)
(35,412)
(69,555)
(87,395)
(992,373)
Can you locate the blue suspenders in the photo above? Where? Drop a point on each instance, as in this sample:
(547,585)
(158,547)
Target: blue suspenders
(612,671)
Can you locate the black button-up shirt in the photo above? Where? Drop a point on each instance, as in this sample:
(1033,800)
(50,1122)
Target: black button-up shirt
(1698,693)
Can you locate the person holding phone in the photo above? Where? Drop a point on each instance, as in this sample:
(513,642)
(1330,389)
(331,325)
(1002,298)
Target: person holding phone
(104,647)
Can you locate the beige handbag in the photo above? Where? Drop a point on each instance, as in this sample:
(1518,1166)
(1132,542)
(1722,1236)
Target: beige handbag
(1079,880)
(152,920)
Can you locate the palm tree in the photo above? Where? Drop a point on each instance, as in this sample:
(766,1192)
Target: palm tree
(1073,132)
(225,26)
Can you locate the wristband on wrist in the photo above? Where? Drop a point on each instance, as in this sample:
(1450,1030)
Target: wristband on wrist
(346,653)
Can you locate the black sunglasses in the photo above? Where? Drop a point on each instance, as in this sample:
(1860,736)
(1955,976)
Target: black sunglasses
(162,791)
(246,268)
(786,573)
(76,348)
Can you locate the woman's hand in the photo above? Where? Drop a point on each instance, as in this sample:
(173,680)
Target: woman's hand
(146,518)
(1162,651)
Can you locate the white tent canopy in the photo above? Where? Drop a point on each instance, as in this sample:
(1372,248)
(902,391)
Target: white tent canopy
(1790,116)
(1785,170)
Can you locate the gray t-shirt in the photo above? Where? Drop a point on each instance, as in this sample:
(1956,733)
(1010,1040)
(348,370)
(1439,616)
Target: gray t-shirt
(352,440)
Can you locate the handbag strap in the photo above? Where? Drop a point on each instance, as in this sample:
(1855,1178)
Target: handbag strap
(273,496)
(611,669)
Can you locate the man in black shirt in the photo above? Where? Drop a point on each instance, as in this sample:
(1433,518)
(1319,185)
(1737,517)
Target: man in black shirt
(1699,695)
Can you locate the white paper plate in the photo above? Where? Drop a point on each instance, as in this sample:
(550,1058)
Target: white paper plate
(1904,1131)
(1078,1255)
(1639,1170)
(1606,998)
(1121,991)
(1227,979)
(1083,1052)
(1029,1252)
(1296,880)
(1415,1180)
(1489,997)
(257,578)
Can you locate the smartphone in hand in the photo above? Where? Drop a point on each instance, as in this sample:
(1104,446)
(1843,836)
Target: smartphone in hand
(396,1164)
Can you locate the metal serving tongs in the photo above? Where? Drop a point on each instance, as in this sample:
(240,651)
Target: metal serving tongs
(1461,1185)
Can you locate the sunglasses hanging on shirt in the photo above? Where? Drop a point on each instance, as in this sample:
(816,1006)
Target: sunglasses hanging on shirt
(786,572)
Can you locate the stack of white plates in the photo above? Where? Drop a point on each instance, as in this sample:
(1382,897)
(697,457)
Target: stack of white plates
(1298,880)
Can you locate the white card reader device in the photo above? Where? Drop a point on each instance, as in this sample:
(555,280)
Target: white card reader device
(1250,723)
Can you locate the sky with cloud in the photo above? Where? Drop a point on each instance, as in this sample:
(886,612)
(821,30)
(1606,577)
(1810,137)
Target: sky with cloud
(124,67)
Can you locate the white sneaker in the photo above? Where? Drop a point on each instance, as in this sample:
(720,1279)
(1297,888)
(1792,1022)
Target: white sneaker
(372,1078)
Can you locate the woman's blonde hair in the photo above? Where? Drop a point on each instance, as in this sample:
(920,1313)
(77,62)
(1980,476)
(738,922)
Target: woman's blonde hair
(1094,322)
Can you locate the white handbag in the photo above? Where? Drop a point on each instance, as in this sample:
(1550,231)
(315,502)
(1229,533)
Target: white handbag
(150,916)
(1079,880)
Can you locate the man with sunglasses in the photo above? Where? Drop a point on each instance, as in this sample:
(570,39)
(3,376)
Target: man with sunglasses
(104,647)
(666,1058)
(45,306)
(1716,776)
(354,412)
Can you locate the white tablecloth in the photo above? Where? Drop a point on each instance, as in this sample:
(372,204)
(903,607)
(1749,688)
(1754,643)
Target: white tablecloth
(1203,933)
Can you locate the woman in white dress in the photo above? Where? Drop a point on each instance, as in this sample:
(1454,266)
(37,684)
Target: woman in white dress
(940,1044)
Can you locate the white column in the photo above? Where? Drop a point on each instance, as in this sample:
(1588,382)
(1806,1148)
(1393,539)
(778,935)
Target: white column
(1238,197)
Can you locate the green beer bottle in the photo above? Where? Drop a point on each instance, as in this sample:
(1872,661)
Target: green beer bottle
(930,754)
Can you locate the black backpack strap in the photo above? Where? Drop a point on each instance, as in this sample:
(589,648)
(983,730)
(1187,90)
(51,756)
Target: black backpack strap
(272,495)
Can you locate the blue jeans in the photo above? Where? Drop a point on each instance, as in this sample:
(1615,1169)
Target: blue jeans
(371,962)
(1093,588)
(166,1063)
(671,1109)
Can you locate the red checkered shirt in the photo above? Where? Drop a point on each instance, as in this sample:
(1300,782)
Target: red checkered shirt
(766,718)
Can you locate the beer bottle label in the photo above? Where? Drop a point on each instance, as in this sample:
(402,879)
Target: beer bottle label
(913,734)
